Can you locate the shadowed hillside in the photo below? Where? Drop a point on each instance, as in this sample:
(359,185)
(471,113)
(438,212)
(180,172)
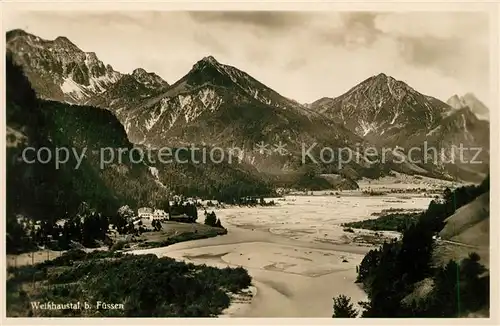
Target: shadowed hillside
(421,275)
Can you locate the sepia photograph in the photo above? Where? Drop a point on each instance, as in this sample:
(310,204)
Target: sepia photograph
(248,163)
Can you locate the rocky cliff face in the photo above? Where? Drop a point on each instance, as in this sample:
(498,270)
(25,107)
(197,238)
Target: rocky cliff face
(59,70)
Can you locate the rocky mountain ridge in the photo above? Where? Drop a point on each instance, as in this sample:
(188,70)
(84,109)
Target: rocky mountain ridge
(61,71)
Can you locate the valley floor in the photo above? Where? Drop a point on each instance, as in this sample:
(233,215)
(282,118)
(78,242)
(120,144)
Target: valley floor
(295,271)
(291,278)
(298,253)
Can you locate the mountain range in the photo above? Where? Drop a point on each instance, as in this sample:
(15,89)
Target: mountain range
(216,104)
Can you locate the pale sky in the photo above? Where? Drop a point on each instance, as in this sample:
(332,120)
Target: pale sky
(302,55)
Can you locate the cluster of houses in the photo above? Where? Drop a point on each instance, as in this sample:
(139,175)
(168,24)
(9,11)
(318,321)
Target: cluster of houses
(147,213)
(151,214)
(182,210)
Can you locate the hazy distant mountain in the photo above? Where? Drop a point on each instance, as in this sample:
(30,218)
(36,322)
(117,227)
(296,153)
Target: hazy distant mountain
(455,102)
(471,101)
(462,128)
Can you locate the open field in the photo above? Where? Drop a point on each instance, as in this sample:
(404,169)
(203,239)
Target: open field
(171,232)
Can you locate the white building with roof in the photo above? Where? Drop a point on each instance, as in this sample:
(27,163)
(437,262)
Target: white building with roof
(145,212)
(159,214)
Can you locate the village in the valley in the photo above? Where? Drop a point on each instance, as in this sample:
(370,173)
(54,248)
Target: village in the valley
(146,178)
(180,219)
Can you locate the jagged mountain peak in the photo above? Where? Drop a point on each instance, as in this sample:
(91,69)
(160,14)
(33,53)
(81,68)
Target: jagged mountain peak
(148,78)
(91,56)
(384,81)
(381,104)
(210,59)
(455,102)
(64,41)
(208,73)
(23,39)
(60,42)
(377,91)
(58,69)
(139,72)
(473,100)
(378,88)
(469,100)
(16,32)
(382,76)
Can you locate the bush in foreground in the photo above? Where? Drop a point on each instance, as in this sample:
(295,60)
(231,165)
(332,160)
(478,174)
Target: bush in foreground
(146,285)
